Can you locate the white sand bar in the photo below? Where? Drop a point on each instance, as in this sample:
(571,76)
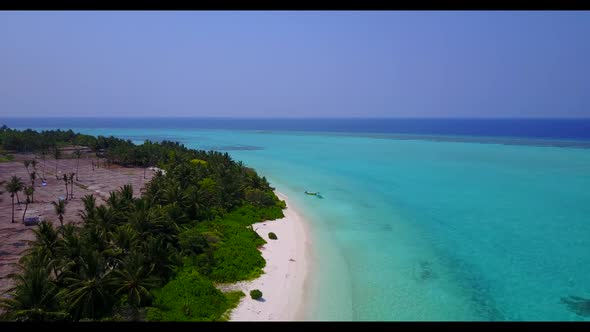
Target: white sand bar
(287,264)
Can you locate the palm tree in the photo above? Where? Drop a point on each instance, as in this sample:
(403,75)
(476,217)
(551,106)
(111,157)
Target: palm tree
(173,192)
(145,163)
(105,218)
(13,187)
(65,178)
(60,210)
(34,164)
(162,254)
(71,179)
(134,277)
(77,153)
(27,164)
(126,193)
(95,237)
(88,293)
(146,219)
(125,238)
(34,298)
(89,207)
(1,192)
(43,155)
(47,244)
(56,155)
(29,192)
(46,238)
(70,249)
(33,178)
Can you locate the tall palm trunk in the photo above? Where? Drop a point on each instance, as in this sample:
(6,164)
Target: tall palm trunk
(17,199)
(12,196)
(77,165)
(33,186)
(27,163)
(66,190)
(72,188)
(61,220)
(26,207)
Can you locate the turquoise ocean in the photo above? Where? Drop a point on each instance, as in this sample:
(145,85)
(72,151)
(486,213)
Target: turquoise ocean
(414,228)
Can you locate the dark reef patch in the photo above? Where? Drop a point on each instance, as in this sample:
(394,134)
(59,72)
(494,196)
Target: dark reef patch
(235,148)
(423,271)
(158,139)
(386,228)
(578,305)
(480,294)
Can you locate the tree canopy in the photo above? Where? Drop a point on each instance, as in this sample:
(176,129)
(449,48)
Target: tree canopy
(133,257)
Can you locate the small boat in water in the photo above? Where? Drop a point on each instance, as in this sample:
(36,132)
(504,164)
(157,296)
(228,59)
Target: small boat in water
(314,193)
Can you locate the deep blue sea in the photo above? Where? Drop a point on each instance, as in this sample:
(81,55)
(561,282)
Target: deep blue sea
(444,219)
(562,129)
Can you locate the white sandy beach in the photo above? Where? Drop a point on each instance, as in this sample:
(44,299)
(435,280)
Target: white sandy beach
(287,264)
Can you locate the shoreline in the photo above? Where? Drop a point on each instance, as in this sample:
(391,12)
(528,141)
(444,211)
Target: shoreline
(284,278)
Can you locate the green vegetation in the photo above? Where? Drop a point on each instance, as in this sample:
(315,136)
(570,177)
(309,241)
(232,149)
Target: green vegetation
(154,257)
(256,294)
(5,157)
(34,141)
(189,297)
(233,299)
(272,236)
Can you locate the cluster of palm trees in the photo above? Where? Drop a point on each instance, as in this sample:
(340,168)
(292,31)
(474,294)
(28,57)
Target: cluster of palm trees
(32,175)
(14,186)
(30,140)
(128,247)
(123,250)
(68,179)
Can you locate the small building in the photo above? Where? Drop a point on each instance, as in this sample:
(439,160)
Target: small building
(100,153)
(32,221)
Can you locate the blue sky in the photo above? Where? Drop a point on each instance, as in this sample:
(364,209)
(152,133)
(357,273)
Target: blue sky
(295,64)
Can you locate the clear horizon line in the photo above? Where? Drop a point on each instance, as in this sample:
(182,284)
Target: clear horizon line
(296,118)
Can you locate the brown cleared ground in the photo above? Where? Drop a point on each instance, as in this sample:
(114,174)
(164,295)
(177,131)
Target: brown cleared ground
(98,182)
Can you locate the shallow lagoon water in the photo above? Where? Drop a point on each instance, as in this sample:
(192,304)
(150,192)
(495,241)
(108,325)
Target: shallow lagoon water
(414,229)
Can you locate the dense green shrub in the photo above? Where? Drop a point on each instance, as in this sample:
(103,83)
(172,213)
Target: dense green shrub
(260,198)
(233,299)
(188,297)
(237,259)
(281,204)
(272,236)
(253,214)
(6,157)
(256,294)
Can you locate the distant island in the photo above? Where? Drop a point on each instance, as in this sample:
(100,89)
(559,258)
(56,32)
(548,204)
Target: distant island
(102,249)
